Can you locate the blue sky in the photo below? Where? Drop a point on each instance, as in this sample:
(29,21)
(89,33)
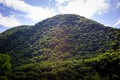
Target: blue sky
(28,12)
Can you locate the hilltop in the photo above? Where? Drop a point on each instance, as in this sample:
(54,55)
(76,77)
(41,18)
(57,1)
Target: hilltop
(59,40)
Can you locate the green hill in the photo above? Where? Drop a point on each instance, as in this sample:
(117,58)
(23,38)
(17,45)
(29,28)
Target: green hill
(58,48)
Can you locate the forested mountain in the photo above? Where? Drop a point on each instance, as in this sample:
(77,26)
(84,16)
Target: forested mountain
(63,47)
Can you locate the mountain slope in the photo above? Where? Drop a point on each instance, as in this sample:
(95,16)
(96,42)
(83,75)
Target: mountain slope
(58,38)
(2,28)
(63,47)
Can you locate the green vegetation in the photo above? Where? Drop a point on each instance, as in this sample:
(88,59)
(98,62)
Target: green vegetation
(5,67)
(63,47)
(103,67)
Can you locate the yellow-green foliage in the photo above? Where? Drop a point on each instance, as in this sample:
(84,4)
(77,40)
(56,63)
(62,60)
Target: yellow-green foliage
(5,66)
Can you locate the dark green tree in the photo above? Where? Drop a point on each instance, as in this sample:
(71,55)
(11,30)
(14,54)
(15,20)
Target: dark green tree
(5,66)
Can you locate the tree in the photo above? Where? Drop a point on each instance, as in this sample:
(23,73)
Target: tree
(5,66)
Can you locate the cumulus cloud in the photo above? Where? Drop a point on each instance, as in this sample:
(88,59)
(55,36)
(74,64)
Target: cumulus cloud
(60,2)
(9,21)
(85,8)
(117,23)
(35,13)
(118,5)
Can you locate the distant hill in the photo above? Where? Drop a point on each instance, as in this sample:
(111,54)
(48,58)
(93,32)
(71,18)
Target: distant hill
(57,39)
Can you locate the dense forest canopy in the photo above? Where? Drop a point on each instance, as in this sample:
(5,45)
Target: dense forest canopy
(63,47)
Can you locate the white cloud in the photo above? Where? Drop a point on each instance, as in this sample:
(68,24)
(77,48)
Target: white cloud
(35,13)
(50,1)
(117,23)
(118,5)
(85,8)
(9,21)
(59,2)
